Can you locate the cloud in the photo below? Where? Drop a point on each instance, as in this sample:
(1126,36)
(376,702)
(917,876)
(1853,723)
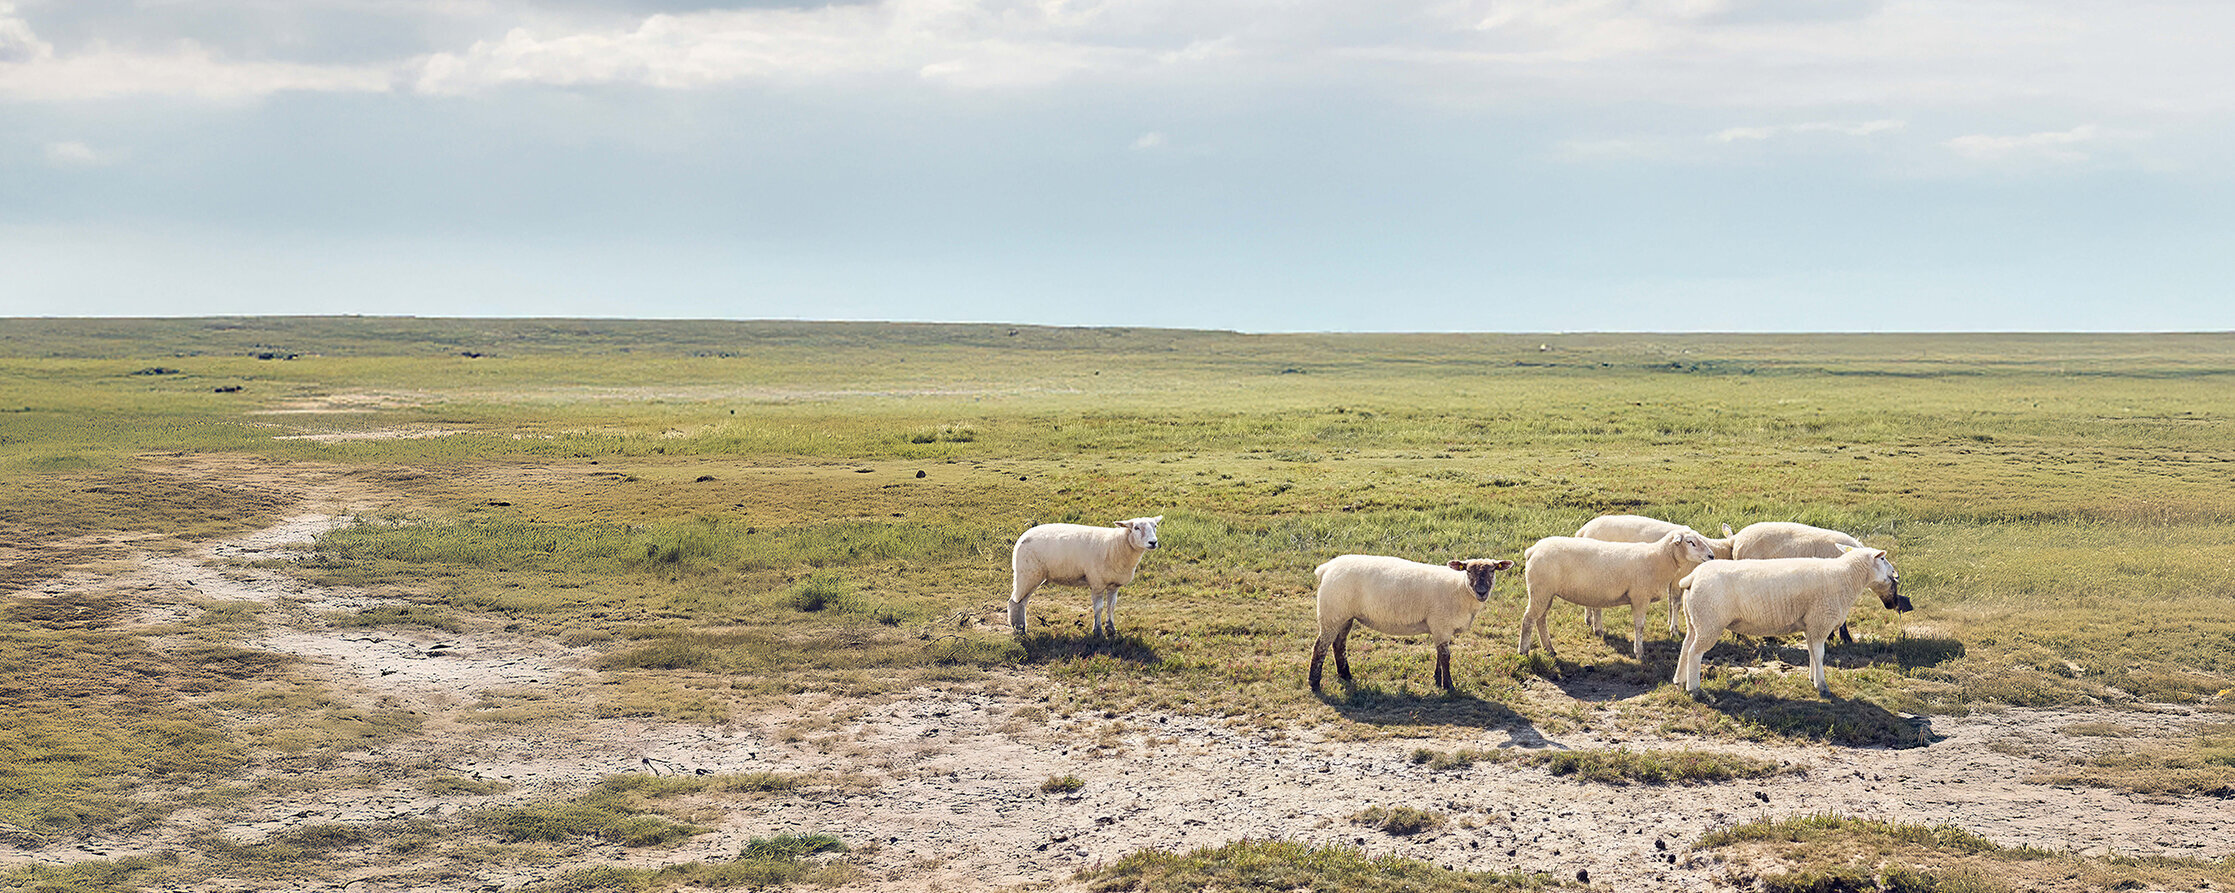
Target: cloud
(1857,128)
(72,153)
(18,44)
(1151,141)
(30,68)
(966,44)
(2064,146)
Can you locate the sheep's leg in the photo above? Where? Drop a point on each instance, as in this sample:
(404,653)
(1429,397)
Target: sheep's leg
(1597,628)
(1544,635)
(1533,622)
(1697,642)
(1688,660)
(1342,652)
(1443,665)
(1528,616)
(1637,628)
(1109,604)
(1319,656)
(1816,665)
(1845,637)
(1675,606)
(1025,584)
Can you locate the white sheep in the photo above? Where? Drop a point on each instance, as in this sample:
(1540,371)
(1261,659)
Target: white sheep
(1098,558)
(1777,596)
(1401,598)
(1786,539)
(1641,529)
(1600,574)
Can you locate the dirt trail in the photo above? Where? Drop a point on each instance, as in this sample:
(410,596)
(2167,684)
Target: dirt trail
(949,794)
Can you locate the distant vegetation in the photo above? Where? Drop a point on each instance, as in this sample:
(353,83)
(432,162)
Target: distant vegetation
(733,512)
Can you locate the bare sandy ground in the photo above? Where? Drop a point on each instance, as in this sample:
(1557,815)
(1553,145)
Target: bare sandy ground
(946,791)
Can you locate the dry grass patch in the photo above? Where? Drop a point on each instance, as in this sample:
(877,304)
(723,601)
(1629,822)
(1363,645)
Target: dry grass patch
(1619,766)
(2201,767)
(1830,852)
(1287,865)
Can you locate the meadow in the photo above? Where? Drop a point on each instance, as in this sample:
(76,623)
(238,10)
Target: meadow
(730,514)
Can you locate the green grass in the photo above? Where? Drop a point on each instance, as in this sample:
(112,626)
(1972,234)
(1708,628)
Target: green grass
(1619,766)
(764,863)
(731,514)
(1398,821)
(1287,865)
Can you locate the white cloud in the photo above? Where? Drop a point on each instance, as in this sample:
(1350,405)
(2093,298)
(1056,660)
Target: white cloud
(1151,141)
(2064,146)
(17,43)
(1844,128)
(30,68)
(958,43)
(1809,61)
(72,153)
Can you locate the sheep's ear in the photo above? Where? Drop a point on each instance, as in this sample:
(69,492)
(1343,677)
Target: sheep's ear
(1844,548)
(1727,530)
(1157,520)
(1501,564)
(1456,564)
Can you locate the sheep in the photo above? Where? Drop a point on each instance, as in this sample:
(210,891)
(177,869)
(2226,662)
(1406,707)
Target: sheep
(1785,539)
(1599,574)
(1401,598)
(1776,596)
(1098,558)
(1641,529)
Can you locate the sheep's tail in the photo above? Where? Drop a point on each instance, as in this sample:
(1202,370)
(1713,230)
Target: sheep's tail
(1684,586)
(1319,574)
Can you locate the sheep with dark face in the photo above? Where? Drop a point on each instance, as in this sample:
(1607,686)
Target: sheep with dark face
(1598,574)
(1401,598)
(1777,596)
(1098,558)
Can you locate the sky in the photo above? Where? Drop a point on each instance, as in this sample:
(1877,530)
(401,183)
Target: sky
(1260,165)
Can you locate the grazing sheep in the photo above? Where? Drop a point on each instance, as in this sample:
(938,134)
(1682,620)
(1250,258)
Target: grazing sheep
(1599,574)
(1776,596)
(1098,558)
(1401,598)
(1785,539)
(1641,529)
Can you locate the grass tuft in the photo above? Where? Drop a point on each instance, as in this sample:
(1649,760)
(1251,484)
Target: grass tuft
(1288,865)
(1398,821)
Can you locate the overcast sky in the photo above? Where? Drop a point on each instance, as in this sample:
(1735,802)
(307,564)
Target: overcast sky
(1264,165)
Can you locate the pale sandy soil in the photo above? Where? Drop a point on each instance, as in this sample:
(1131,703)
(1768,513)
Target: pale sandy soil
(946,785)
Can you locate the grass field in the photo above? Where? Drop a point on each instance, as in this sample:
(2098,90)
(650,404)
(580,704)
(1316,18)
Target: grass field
(730,513)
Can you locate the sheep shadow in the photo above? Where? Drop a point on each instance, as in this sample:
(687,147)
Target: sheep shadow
(1374,705)
(1613,681)
(1850,722)
(1904,652)
(1056,647)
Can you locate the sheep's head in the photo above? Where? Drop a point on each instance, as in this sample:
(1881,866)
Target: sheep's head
(1690,547)
(1884,579)
(1141,532)
(1482,573)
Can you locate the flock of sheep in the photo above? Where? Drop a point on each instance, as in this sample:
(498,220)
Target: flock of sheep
(1771,578)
